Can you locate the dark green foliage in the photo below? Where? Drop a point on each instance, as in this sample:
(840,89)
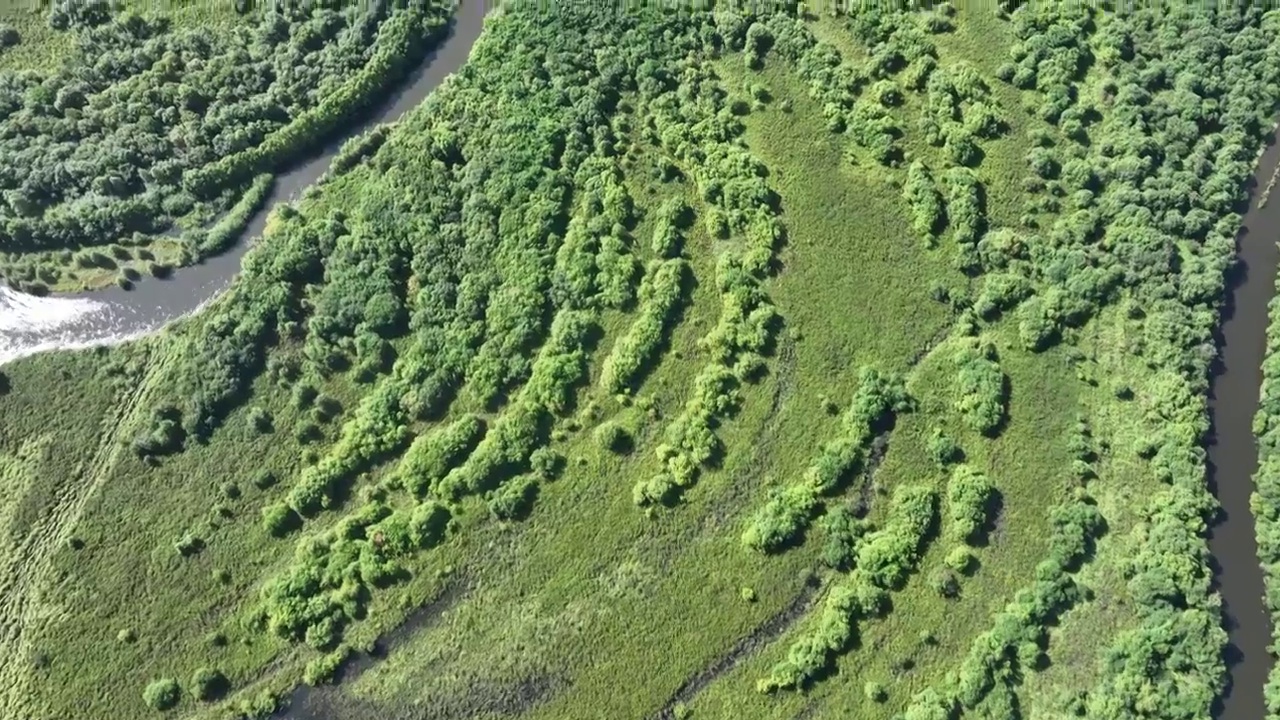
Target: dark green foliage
(9,36)
(943,449)
(843,533)
(400,40)
(162,694)
(155,107)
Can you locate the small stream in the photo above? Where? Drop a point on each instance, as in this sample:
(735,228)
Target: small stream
(1233,453)
(30,324)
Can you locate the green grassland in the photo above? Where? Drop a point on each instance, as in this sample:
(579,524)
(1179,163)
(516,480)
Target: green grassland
(859,469)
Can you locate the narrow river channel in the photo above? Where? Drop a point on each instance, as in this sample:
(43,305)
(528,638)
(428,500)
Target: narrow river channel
(30,325)
(1233,454)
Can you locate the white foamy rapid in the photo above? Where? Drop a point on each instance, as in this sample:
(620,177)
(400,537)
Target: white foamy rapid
(30,325)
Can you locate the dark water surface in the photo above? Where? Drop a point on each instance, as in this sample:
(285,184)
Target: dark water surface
(1233,453)
(29,324)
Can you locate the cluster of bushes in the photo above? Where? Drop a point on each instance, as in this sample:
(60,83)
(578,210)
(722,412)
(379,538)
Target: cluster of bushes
(524,426)
(670,220)
(594,262)
(1169,237)
(732,182)
(981,392)
(333,573)
(1015,644)
(660,294)
(431,456)
(785,516)
(969,494)
(959,112)
(883,560)
(377,431)
(966,214)
(1002,291)
(928,214)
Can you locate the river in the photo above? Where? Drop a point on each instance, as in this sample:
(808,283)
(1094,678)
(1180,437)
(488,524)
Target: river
(30,324)
(1233,452)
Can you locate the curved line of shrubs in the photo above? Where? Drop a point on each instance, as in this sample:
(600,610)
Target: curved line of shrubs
(786,516)
(884,558)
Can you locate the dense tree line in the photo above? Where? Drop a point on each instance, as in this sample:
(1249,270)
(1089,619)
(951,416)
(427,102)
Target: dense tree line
(1265,501)
(145,123)
(1157,161)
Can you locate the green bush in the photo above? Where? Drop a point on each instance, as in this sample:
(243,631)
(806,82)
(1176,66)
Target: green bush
(162,694)
(968,493)
(279,519)
(612,437)
(208,684)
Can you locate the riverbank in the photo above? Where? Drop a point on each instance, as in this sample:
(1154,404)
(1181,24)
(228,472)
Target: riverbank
(1233,454)
(113,315)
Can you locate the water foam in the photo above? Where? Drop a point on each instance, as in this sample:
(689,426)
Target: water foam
(30,325)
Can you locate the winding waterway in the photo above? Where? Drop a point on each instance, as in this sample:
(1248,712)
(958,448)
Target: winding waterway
(30,325)
(1233,452)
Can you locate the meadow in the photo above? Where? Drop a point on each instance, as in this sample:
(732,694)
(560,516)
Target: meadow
(681,363)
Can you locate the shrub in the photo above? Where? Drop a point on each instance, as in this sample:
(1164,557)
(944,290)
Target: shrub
(514,498)
(279,519)
(8,36)
(323,669)
(968,493)
(208,684)
(945,582)
(263,479)
(943,449)
(875,692)
(612,437)
(162,694)
(259,420)
(960,559)
(921,193)
(980,385)
(189,544)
